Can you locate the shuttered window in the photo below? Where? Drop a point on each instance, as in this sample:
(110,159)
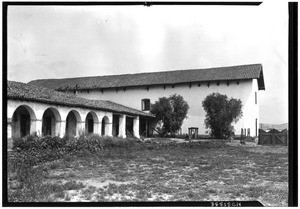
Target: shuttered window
(145,104)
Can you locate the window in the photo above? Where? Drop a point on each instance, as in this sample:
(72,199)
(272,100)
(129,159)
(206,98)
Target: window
(255,97)
(145,104)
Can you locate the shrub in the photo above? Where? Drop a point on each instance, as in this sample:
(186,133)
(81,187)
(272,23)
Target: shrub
(33,142)
(221,112)
(73,185)
(93,143)
(49,142)
(171,112)
(45,149)
(29,142)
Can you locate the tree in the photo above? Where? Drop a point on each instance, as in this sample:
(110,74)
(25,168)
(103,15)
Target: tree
(221,112)
(170,112)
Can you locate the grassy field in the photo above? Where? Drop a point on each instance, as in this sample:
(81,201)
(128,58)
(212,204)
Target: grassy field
(197,171)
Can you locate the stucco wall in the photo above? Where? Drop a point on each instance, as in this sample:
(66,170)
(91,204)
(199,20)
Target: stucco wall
(37,110)
(194,95)
(77,122)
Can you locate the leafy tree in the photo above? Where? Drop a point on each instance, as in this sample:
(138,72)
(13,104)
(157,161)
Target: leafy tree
(220,113)
(170,112)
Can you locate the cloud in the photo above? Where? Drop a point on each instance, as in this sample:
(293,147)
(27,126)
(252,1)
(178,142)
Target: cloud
(57,42)
(26,71)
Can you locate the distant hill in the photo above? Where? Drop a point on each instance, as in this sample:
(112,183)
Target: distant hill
(266,126)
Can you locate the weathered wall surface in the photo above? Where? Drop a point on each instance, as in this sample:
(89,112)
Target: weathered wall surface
(36,111)
(194,95)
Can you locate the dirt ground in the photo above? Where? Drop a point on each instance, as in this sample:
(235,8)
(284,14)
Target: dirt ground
(235,173)
(231,173)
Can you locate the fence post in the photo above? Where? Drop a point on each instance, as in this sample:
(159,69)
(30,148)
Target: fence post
(242,141)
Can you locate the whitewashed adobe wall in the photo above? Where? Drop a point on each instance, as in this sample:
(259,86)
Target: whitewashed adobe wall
(194,95)
(37,110)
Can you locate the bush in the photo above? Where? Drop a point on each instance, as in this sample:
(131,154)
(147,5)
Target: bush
(221,112)
(49,142)
(192,145)
(50,148)
(45,149)
(170,112)
(32,142)
(29,142)
(73,185)
(94,143)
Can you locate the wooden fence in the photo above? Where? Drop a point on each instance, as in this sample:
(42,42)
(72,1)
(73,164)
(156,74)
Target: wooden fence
(273,137)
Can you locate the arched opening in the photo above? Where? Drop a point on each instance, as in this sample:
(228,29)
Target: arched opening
(91,122)
(22,124)
(71,124)
(50,126)
(105,126)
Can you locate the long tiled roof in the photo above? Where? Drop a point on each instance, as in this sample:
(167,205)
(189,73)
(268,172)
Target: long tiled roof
(241,72)
(29,92)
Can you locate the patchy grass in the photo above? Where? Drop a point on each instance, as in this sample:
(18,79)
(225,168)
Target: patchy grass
(198,171)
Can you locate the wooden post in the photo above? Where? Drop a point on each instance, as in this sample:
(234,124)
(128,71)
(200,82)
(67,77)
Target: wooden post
(243,131)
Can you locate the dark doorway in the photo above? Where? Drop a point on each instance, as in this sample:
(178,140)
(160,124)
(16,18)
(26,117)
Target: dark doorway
(143,127)
(24,124)
(89,124)
(104,126)
(71,125)
(21,123)
(48,126)
(49,122)
(129,127)
(115,125)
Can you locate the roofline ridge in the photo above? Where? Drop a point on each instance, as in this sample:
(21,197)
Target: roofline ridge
(124,106)
(70,96)
(141,73)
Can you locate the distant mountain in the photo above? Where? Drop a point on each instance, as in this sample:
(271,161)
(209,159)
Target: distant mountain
(266,126)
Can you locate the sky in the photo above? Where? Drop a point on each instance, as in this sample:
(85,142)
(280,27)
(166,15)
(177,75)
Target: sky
(74,41)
